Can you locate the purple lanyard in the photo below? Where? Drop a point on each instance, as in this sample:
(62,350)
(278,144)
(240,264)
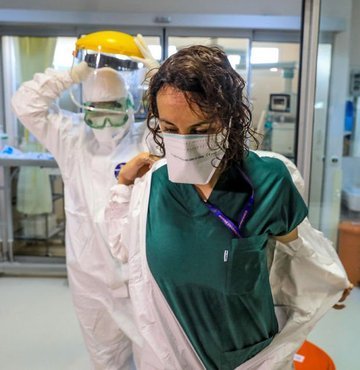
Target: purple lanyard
(235,229)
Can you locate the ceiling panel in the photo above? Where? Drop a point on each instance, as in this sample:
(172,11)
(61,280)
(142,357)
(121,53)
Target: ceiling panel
(259,7)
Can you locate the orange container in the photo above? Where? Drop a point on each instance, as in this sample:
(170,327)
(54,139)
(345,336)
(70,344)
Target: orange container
(311,357)
(349,249)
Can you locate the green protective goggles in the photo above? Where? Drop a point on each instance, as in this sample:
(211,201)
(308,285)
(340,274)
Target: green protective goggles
(114,114)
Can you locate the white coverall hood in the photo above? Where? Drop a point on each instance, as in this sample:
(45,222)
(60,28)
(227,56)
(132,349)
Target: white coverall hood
(106,85)
(103,85)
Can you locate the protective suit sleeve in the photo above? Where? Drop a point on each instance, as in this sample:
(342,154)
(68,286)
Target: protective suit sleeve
(314,254)
(33,105)
(307,278)
(116,218)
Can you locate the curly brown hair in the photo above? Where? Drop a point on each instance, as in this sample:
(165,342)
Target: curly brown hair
(208,80)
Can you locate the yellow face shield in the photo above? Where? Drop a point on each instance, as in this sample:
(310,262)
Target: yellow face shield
(114,76)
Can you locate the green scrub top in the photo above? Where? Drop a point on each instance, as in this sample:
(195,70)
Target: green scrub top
(217,285)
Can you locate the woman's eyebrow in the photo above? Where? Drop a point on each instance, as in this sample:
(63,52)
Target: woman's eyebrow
(193,125)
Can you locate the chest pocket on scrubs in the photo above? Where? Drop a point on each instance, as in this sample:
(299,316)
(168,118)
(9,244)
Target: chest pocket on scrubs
(245,265)
(231,360)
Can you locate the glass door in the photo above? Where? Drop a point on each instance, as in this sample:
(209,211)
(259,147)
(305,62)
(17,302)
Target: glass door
(274,86)
(237,49)
(335,163)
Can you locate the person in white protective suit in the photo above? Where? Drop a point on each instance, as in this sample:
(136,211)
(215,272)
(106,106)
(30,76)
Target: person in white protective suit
(89,148)
(224,269)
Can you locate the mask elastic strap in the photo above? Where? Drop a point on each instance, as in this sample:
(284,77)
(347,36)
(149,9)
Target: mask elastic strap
(227,134)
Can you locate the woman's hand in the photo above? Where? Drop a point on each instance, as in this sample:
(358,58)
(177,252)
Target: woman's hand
(346,292)
(136,167)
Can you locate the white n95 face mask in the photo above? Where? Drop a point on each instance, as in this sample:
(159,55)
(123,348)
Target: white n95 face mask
(191,158)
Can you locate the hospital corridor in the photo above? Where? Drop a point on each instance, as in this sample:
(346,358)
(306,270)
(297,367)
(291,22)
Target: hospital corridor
(180,185)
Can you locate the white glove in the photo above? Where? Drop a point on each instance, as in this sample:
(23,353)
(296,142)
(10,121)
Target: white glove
(80,72)
(149,61)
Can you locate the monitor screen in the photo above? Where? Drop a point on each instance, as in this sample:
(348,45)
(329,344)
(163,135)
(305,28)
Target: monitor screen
(279,103)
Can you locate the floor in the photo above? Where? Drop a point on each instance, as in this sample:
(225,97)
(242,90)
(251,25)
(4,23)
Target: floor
(38,327)
(338,332)
(39,330)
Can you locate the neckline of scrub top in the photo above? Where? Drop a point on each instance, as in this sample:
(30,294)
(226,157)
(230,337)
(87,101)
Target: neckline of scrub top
(229,182)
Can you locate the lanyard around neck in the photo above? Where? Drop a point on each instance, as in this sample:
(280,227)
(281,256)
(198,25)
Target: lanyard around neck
(235,228)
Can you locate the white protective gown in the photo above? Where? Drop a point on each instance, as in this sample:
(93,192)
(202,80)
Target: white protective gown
(306,276)
(87,169)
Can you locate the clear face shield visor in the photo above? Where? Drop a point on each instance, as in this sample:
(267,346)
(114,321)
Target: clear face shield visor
(112,90)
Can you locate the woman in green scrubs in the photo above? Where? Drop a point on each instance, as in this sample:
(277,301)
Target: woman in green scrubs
(213,208)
